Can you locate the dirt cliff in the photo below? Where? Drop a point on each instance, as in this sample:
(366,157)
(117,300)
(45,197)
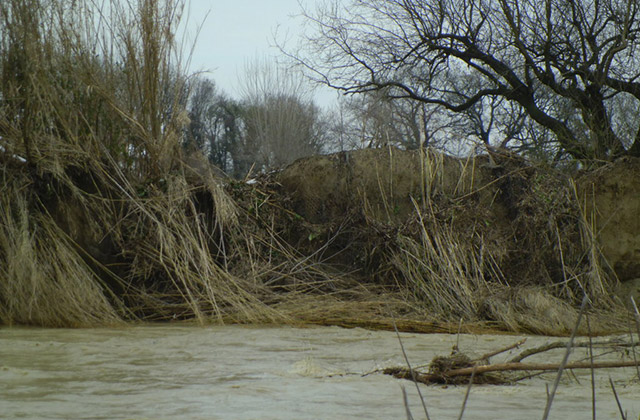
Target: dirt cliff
(611,197)
(539,226)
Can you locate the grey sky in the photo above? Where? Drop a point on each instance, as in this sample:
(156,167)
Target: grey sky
(236,31)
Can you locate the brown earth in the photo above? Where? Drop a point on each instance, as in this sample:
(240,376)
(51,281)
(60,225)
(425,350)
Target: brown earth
(612,197)
(387,182)
(612,202)
(524,215)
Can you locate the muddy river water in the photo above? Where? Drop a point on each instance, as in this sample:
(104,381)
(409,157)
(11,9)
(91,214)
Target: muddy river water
(234,372)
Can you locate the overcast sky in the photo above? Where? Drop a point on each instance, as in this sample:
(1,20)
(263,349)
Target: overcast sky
(235,31)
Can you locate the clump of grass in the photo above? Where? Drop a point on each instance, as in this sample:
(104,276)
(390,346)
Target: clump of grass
(519,263)
(45,280)
(179,254)
(444,272)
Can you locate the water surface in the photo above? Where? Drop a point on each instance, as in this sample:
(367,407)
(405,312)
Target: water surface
(234,372)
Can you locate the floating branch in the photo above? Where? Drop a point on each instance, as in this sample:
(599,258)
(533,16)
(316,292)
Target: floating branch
(450,375)
(563,344)
(458,368)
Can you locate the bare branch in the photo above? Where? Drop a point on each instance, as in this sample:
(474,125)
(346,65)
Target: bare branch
(579,52)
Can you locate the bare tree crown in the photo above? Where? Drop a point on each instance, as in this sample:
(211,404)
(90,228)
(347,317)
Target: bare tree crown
(569,65)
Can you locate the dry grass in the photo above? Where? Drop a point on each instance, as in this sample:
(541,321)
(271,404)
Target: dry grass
(99,224)
(104,222)
(523,263)
(174,247)
(44,279)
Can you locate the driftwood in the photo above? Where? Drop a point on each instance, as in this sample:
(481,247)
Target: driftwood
(562,344)
(487,356)
(459,368)
(448,376)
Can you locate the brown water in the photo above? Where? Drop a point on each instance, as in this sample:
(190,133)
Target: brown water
(185,372)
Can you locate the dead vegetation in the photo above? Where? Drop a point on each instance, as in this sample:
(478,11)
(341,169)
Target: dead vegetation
(102,220)
(488,239)
(99,223)
(460,369)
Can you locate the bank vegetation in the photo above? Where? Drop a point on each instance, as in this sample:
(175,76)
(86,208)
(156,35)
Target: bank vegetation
(108,213)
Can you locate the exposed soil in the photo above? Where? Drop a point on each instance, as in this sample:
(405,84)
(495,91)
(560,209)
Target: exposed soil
(368,238)
(539,226)
(612,197)
(498,203)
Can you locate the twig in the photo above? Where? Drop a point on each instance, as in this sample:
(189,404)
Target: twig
(637,318)
(457,348)
(565,359)
(413,374)
(466,395)
(502,350)
(536,350)
(406,403)
(615,394)
(633,350)
(636,314)
(593,376)
(562,344)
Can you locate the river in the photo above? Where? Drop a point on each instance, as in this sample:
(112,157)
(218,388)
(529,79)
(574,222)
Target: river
(236,372)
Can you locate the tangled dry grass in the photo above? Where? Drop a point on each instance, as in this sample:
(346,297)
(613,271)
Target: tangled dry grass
(99,222)
(103,221)
(492,239)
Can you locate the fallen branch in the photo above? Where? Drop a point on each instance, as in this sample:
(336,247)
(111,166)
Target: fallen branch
(537,366)
(563,344)
(502,350)
(446,377)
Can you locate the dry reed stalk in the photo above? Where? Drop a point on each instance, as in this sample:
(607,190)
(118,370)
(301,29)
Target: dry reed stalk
(636,315)
(592,370)
(615,394)
(565,360)
(598,283)
(413,375)
(444,271)
(179,246)
(98,109)
(45,280)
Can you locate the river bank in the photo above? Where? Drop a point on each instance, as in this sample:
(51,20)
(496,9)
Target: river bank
(354,239)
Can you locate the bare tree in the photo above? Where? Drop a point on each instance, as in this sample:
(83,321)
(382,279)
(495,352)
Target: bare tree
(281,121)
(341,135)
(373,119)
(546,57)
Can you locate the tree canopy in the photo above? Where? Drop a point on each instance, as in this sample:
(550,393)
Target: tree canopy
(568,66)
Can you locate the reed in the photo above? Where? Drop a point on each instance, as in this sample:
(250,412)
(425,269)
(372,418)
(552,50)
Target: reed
(520,263)
(45,280)
(99,222)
